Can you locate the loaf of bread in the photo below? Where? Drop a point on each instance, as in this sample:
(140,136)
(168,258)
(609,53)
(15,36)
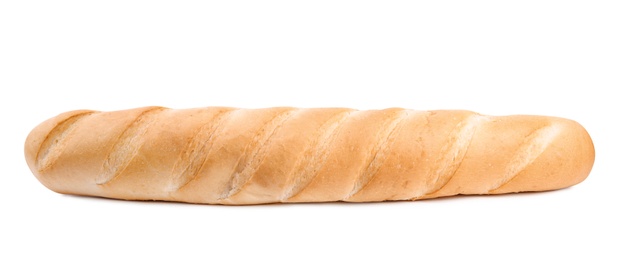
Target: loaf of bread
(221,155)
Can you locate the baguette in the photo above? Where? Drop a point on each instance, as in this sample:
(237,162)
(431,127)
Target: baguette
(221,155)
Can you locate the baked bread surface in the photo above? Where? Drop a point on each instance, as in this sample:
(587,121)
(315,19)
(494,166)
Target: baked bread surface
(222,155)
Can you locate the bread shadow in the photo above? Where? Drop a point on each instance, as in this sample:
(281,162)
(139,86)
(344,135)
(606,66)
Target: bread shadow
(448,199)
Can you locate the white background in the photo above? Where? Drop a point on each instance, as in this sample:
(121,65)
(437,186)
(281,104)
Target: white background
(555,58)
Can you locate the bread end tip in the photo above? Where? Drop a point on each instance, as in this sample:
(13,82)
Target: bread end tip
(40,135)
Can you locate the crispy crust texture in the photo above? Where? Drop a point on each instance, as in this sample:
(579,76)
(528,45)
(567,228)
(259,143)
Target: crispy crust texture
(221,155)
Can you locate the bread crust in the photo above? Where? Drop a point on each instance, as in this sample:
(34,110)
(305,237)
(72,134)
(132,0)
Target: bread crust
(222,155)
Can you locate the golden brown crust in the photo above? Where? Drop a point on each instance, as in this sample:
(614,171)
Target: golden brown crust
(221,155)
